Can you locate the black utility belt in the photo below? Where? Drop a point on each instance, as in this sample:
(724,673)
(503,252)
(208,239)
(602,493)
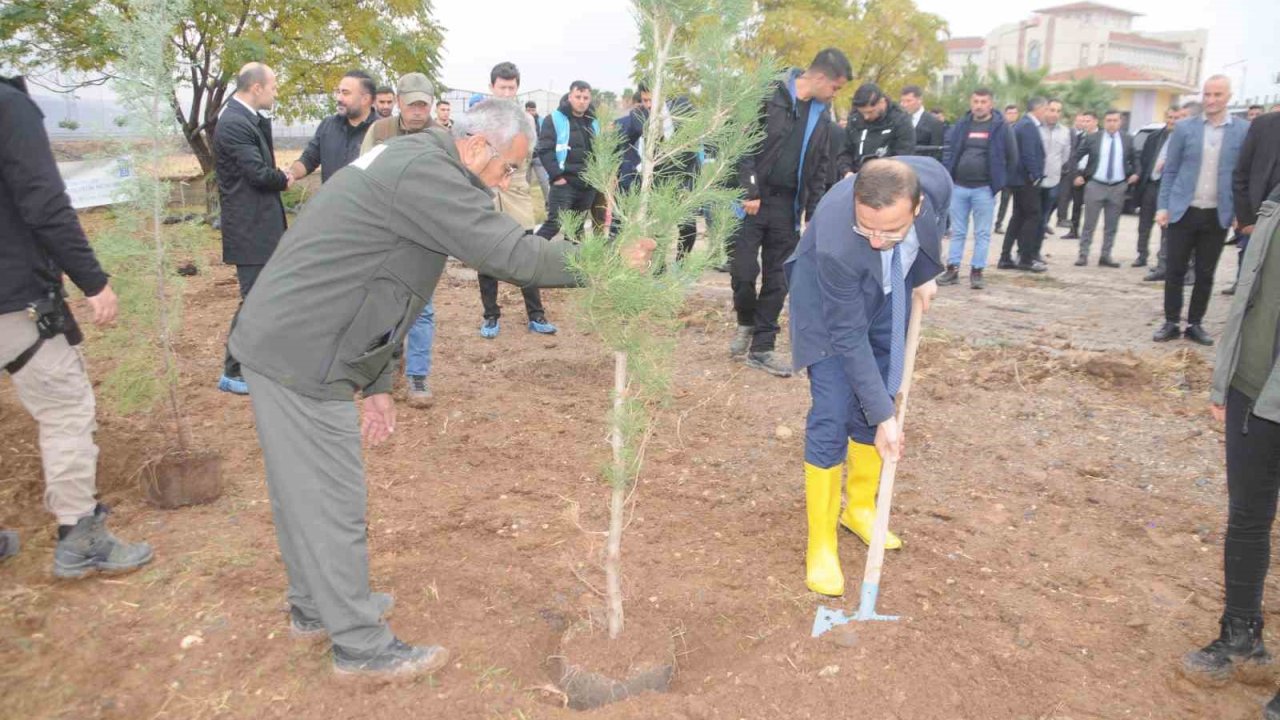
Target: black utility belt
(47,313)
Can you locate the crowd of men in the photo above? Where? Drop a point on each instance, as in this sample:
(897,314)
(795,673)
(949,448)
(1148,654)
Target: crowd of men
(850,218)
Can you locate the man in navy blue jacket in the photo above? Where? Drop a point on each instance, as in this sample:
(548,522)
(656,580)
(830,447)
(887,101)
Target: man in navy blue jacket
(1027,225)
(874,238)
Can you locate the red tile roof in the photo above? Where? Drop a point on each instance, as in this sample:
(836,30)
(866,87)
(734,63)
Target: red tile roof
(1115,73)
(965,43)
(1077,6)
(1135,39)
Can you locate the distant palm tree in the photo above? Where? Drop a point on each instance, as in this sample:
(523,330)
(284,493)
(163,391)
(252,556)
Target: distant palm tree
(1086,93)
(1018,86)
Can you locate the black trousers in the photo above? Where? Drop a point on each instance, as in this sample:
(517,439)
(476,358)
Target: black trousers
(763,242)
(1147,220)
(1004,206)
(246,276)
(1253,479)
(493,311)
(688,236)
(1198,233)
(569,196)
(1026,226)
(1070,200)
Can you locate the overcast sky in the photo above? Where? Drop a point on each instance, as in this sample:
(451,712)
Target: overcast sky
(557,41)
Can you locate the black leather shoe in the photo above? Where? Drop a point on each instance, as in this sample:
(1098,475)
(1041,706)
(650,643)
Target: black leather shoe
(1167,332)
(1006,264)
(1071,236)
(1140,262)
(1239,644)
(1231,290)
(1156,275)
(1107,262)
(1082,261)
(1196,334)
(999,230)
(1035,266)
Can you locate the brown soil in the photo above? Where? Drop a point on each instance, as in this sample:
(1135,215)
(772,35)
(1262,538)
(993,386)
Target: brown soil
(1062,512)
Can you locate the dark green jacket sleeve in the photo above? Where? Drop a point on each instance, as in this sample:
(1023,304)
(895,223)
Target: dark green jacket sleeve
(437,205)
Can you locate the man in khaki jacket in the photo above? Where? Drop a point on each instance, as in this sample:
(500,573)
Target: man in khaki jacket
(415,96)
(326,320)
(517,202)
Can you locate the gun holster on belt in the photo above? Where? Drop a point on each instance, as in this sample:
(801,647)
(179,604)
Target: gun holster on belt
(50,315)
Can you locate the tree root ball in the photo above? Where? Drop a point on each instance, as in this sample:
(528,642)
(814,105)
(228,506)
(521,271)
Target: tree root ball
(183,478)
(589,664)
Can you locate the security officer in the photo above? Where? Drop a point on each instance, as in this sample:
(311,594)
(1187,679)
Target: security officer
(38,338)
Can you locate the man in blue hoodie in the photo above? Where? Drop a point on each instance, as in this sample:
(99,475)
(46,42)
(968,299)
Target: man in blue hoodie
(977,155)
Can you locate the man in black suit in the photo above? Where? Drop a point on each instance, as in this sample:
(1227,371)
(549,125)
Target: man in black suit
(930,133)
(249,184)
(1026,226)
(1069,204)
(1111,167)
(1256,173)
(1151,166)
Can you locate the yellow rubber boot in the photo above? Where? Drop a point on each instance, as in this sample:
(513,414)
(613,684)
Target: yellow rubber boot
(864,482)
(822,505)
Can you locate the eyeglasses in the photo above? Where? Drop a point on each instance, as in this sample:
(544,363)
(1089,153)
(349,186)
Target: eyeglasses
(508,170)
(886,238)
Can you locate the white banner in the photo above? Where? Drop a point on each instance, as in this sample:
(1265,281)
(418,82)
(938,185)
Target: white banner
(91,183)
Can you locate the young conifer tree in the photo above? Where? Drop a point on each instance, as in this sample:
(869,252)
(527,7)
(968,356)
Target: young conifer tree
(136,251)
(636,313)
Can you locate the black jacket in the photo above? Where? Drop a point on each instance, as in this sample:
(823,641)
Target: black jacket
(1091,147)
(889,136)
(40,235)
(336,143)
(250,185)
(777,117)
(930,136)
(836,141)
(1257,172)
(1147,159)
(581,137)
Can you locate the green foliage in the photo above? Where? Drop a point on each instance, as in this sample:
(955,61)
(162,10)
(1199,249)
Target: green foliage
(69,124)
(637,313)
(955,101)
(135,249)
(889,42)
(310,43)
(1017,86)
(1085,94)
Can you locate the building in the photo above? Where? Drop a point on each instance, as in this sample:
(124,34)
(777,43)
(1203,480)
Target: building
(1089,39)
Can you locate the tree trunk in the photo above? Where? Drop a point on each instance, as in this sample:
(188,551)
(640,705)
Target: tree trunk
(158,201)
(617,501)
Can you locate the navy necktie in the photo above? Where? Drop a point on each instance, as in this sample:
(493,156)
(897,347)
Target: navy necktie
(898,306)
(1111,159)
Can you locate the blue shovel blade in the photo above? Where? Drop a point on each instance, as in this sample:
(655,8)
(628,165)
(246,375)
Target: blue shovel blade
(827,618)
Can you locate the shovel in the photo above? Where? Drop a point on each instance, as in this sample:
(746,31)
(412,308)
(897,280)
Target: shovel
(828,618)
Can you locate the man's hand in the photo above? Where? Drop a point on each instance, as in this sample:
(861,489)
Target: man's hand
(1133,179)
(638,253)
(104,306)
(1079,181)
(924,294)
(1219,413)
(379,418)
(1162,218)
(889,440)
(1160,166)
(751,207)
(561,181)
(1247,230)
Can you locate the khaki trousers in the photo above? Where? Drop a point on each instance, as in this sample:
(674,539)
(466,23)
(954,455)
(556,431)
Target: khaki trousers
(54,387)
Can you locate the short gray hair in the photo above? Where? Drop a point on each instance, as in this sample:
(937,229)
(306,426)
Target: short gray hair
(499,120)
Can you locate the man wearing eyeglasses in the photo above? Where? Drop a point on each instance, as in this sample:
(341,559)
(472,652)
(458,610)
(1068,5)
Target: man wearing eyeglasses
(873,248)
(326,321)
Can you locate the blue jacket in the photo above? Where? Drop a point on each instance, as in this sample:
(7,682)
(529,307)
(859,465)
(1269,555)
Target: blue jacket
(837,286)
(998,148)
(1182,167)
(1029,168)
